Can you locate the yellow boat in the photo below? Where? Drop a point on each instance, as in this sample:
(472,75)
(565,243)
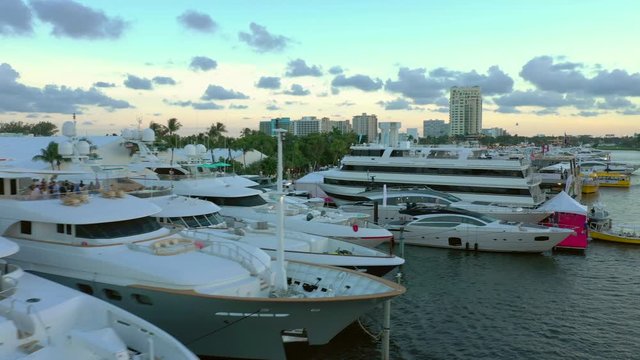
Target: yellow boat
(590,183)
(628,234)
(613,179)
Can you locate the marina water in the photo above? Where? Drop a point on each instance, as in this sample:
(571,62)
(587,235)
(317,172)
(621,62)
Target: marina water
(466,305)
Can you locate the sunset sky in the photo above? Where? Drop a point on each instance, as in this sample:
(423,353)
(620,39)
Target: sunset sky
(544,67)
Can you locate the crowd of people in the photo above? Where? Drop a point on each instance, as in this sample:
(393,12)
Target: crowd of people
(45,189)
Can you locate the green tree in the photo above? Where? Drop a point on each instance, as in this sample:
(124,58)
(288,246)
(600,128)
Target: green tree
(214,136)
(49,154)
(44,128)
(173,125)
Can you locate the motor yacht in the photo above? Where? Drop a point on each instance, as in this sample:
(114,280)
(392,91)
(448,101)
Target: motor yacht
(219,297)
(202,220)
(389,202)
(43,320)
(449,228)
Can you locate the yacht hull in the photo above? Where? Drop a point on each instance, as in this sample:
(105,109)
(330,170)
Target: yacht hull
(237,327)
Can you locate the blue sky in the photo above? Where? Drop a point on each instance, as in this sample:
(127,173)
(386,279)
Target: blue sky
(543,66)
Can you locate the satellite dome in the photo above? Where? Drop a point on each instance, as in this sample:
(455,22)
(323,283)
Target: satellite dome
(69,129)
(190,150)
(148,135)
(84,148)
(65,149)
(201,149)
(126,133)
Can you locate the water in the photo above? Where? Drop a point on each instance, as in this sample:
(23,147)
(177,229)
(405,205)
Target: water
(465,305)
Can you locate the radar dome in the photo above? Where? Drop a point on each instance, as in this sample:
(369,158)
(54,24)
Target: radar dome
(190,150)
(84,148)
(65,149)
(201,149)
(148,135)
(69,129)
(126,133)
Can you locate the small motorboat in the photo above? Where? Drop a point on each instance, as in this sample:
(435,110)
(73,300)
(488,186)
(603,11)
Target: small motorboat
(623,233)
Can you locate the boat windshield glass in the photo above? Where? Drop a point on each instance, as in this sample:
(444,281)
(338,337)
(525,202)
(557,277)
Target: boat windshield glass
(215,218)
(116,229)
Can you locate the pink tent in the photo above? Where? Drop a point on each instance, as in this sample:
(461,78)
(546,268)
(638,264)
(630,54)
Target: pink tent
(570,214)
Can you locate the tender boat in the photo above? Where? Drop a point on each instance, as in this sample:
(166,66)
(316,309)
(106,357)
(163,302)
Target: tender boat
(622,233)
(450,228)
(202,220)
(613,179)
(43,320)
(218,297)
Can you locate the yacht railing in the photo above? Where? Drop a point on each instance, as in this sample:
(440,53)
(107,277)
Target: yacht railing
(208,243)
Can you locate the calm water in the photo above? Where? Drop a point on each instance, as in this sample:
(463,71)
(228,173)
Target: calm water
(464,305)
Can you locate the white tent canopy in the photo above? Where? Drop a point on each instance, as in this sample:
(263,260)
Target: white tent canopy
(564,203)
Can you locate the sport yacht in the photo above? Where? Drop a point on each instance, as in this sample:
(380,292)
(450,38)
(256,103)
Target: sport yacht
(389,203)
(43,320)
(202,220)
(468,173)
(218,297)
(465,230)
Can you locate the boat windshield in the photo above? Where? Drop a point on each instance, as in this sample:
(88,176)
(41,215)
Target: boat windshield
(117,229)
(198,221)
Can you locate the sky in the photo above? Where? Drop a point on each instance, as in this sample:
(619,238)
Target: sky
(544,66)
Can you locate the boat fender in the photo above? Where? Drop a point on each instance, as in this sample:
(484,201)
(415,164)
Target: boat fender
(84,243)
(355,227)
(475,246)
(309,216)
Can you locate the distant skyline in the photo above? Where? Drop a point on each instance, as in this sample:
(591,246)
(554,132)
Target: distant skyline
(550,67)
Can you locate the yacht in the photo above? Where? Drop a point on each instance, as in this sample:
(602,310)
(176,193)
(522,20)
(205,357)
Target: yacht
(218,297)
(468,173)
(43,320)
(202,220)
(608,166)
(389,202)
(449,228)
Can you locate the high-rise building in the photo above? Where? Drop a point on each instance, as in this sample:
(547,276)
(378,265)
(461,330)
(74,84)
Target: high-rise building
(305,126)
(366,125)
(413,133)
(343,125)
(285,123)
(465,110)
(434,128)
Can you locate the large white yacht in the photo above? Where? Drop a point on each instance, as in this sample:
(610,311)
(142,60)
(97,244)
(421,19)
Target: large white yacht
(468,173)
(386,205)
(43,320)
(218,297)
(450,228)
(202,220)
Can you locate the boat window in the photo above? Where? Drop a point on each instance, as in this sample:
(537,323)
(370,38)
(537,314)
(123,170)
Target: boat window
(60,228)
(117,229)
(25,227)
(190,221)
(400,153)
(69,229)
(202,220)
(246,201)
(177,221)
(112,294)
(87,289)
(13,183)
(435,170)
(215,218)
(1,186)
(438,221)
(367,152)
(142,299)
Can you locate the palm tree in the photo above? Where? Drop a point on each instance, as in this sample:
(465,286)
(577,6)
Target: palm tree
(173,125)
(49,154)
(215,133)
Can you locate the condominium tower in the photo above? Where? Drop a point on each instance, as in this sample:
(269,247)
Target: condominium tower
(366,125)
(465,110)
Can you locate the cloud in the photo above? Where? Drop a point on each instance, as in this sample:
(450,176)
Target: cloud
(262,41)
(202,63)
(74,20)
(17,97)
(163,80)
(138,83)
(215,92)
(614,102)
(362,82)
(397,104)
(87,123)
(299,67)
(629,112)
(197,21)
(239,107)
(297,90)
(565,77)
(335,90)
(102,84)
(346,103)
(272,107)
(424,88)
(268,82)
(195,105)
(587,113)
(336,70)
(15,18)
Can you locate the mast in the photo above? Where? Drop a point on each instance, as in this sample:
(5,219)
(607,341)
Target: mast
(280,272)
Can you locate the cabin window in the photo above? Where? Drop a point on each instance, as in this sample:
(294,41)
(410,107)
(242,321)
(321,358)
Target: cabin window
(60,228)
(87,289)
(112,294)
(69,229)
(14,186)
(142,299)
(245,201)
(541,238)
(25,227)
(116,229)
(1,186)
(454,241)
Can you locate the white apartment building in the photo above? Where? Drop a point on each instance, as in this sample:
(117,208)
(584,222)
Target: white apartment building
(465,110)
